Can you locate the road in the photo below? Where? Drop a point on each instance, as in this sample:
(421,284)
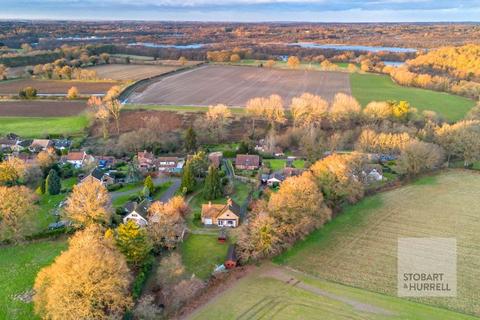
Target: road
(166,195)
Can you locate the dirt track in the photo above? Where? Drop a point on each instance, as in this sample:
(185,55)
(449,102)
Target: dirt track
(39,108)
(55,86)
(234,86)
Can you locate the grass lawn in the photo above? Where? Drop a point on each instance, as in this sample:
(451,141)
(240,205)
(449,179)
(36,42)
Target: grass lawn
(351,248)
(268,293)
(372,87)
(18,268)
(279,164)
(201,253)
(47,203)
(40,127)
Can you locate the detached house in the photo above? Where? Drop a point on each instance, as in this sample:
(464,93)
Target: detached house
(77,158)
(247,162)
(222,215)
(99,176)
(137,212)
(169,164)
(146,160)
(38,145)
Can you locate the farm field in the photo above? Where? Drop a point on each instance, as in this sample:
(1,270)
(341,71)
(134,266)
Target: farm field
(19,266)
(41,108)
(130,71)
(372,87)
(234,86)
(12,87)
(276,293)
(36,127)
(351,248)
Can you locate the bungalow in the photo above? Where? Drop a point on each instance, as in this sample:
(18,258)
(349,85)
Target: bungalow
(77,158)
(137,212)
(222,215)
(145,160)
(40,145)
(169,164)
(99,176)
(247,162)
(275,179)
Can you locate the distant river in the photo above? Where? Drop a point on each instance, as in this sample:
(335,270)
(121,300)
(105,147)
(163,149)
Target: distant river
(343,47)
(394,63)
(155,45)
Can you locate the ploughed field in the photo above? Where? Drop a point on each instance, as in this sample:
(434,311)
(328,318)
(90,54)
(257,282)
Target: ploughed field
(39,108)
(60,87)
(359,247)
(234,86)
(130,71)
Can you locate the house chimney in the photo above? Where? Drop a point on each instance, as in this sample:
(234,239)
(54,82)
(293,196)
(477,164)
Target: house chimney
(209,204)
(229,201)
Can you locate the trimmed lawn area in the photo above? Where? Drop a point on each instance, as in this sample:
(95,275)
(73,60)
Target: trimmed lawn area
(40,127)
(276,293)
(201,253)
(372,87)
(19,266)
(279,164)
(47,203)
(358,248)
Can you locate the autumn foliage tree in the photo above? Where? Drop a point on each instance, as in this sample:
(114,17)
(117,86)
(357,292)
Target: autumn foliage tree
(308,110)
(72,93)
(166,222)
(339,177)
(344,108)
(133,241)
(90,280)
(17,212)
(298,207)
(419,156)
(89,203)
(259,239)
(12,171)
(217,117)
(293,62)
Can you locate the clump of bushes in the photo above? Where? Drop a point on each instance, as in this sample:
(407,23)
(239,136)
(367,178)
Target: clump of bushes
(28,93)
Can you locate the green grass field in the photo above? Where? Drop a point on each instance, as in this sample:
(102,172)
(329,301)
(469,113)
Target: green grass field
(48,203)
(358,248)
(278,164)
(372,87)
(201,253)
(19,266)
(276,293)
(40,127)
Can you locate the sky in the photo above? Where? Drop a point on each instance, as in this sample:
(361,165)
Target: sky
(245,10)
